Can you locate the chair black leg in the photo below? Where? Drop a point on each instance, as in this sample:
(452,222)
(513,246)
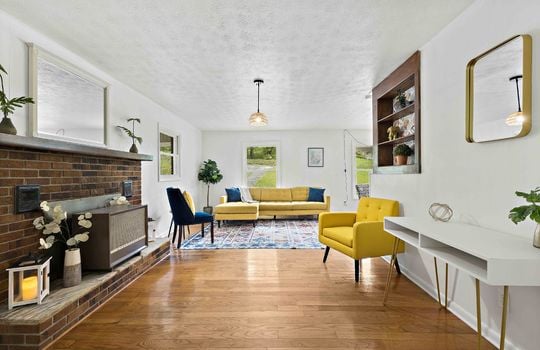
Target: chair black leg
(184,232)
(188,231)
(174,233)
(396,264)
(326,251)
(202,230)
(356,270)
(212,232)
(170,227)
(219,223)
(274,217)
(180,237)
(253,223)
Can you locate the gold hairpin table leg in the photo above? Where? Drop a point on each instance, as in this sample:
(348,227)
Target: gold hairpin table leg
(478,315)
(390,269)
(437,280)
(503,319)
(446,289)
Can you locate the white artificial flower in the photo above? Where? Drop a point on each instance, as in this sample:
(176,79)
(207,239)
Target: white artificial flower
(43,244)
(51,227)
(38,223)
(82,237)
(44,206)
(80,217)
(50,239)
(85,223)
(88,215)
(71,242)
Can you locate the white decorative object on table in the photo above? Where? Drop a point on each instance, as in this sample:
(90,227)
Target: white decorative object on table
(121,200)
(441,212)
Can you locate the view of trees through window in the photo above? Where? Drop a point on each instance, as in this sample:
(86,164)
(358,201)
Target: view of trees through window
(261,166)
(364,164)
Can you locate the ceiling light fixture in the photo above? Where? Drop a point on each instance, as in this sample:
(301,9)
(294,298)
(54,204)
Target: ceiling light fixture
(258,118)
(516,118)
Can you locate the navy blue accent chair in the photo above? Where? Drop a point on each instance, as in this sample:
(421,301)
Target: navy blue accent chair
(183,216)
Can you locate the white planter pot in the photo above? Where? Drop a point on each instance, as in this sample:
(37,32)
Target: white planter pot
(72,267)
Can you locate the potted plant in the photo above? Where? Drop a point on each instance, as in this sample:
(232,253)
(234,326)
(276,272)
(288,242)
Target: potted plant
(532,211)
(55,228)
(8,106)
(209,174)
(131,133)
(401,153)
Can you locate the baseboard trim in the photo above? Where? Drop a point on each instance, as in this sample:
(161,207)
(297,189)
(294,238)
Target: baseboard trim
(490,334)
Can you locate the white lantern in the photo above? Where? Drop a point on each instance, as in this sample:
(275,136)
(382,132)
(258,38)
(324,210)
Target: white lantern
(28,282)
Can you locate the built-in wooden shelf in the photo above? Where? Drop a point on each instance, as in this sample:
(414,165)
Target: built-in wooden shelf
(398,140)
(405,77)
(399,114)
(63,146)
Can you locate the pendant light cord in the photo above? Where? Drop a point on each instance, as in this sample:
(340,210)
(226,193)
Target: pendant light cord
(258,95)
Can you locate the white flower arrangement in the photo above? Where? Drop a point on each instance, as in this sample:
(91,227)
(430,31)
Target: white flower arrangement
(54,226)
(121,200)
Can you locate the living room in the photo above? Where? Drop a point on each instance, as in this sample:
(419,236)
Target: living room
(179,80)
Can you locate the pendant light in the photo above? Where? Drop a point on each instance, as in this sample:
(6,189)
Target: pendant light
(516,118)
(258,118)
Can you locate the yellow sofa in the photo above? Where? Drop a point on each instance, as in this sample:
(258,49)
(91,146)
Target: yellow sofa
(271,202)
(360,234)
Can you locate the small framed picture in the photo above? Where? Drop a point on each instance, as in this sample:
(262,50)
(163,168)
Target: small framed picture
(315,157)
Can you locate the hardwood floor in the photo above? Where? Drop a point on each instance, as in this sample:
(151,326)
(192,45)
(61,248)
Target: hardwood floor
(269,299)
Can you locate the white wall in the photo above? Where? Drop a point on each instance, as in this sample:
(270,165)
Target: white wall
(226,148)
(477,180)
(124,102)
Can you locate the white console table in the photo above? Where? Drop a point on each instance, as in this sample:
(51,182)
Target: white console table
(493,257)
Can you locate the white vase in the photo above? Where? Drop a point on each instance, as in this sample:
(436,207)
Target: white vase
(536,239)
(72,267)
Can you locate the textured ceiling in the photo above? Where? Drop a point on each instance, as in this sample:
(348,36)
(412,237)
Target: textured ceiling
(198,58)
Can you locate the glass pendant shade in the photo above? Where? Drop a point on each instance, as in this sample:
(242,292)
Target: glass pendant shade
(258,119)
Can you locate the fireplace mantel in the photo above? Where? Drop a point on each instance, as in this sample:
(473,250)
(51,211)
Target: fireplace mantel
(68,147)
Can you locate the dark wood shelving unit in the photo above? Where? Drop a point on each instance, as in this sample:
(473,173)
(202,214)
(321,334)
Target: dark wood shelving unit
(406,76)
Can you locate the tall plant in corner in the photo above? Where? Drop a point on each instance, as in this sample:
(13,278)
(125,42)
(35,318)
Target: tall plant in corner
(131,133)
(521,213)
(209,174)
(8,106)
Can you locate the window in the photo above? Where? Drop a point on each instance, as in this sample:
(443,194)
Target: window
(168,156)
(261,165)
(363,160)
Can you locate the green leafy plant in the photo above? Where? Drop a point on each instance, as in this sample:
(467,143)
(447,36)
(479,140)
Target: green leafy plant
(131,133)
(521,213)
(8,105)
(403,150)
(209,174)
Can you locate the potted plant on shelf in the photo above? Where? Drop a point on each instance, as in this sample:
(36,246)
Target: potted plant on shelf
(209,174)
(131,133)
(532,211)
(55,228)
(401,153)
(8,106)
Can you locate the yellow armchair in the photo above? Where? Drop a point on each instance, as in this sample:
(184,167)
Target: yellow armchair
(360,234)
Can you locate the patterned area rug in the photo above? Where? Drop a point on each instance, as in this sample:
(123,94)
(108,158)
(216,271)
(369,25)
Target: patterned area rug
(267,234)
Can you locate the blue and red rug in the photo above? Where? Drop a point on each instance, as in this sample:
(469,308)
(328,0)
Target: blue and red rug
(267,234)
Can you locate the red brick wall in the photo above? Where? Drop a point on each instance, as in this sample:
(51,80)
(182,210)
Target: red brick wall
(61,176)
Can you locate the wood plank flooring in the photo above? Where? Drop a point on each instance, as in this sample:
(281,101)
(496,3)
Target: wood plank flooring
(269,299)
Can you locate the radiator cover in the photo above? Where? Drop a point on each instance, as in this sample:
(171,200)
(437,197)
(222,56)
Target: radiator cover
(117,233)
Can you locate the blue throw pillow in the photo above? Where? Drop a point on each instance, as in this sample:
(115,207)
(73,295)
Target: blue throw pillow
(233,194)
(316,195)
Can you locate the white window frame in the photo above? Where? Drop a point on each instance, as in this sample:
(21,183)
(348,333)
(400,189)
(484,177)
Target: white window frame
(276,144)
(177,147)
(354,169)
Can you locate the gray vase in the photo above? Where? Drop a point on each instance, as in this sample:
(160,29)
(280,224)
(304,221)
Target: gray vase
(72,267)
(536,238)
(134,148)
(208,210)
(7,127)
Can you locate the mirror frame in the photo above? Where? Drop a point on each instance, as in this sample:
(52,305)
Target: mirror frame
(526,87)
(34,52)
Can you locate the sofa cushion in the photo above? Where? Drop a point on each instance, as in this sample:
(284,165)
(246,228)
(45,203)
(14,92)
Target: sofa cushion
(300,193)
(308,206)
(237,208)
(233,194)
(343,235)
(275,205)
(255,193)
(316,194)
(276,195)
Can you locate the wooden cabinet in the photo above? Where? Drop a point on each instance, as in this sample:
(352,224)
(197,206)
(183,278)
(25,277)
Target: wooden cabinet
(396,103)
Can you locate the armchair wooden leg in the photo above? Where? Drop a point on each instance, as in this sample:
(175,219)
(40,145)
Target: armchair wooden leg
(180,237)
(170,227)
(174,233)
(326,251)
(202,230)
(396,264)
(356,270)
(218,223)
(212,231)
(253,223)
